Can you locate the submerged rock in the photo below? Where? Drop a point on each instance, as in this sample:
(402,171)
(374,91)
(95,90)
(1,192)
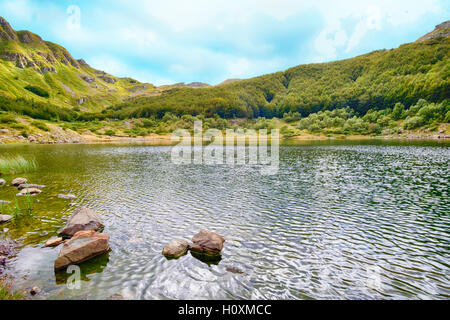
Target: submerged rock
(82,219)
(5,218)
(25,185)
(35,291)
(234,270)
(54,242)
(175,249)
(207,242)
(29,191)
(18,181)
(83,246)
(67,196)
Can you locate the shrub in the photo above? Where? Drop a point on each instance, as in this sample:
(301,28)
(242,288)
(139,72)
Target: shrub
(110,133)
(7,119)
(40,125)
(38,91)
(413,122)
(399,111)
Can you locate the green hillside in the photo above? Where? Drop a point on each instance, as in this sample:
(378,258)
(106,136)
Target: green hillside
(376,80)
(32,69)
(384,92)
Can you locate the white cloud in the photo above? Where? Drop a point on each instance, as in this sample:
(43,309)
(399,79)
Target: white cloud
(211,39)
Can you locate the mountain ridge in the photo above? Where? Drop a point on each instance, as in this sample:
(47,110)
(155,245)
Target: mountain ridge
(32,69)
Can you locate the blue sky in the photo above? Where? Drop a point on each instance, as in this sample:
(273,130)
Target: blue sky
(169,41)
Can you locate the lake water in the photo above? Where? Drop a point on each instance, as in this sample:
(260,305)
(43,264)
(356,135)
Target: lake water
(341,220)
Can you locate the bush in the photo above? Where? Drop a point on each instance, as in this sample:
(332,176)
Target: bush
(110,133)
(7,119)
(413,122)
(40,125)
(399,111)
(38,91)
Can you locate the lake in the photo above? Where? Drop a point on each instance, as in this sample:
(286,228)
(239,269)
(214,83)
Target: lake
(340,220)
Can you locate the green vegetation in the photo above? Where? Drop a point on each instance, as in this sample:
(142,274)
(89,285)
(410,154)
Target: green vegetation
(37,91)
(383,92)
(387,121)
(377,80)
(18,164)
(7,294)
(40,125)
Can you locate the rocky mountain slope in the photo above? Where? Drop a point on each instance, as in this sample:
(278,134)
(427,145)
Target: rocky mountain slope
(32,68)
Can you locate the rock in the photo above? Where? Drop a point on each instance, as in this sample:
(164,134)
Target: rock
(83,246)
(207,242)
(35,291)
(4,131)
(29,191)
(53,242)
(67,196)
(5,218)
(234,270)
(82,219)
(4,202)
(2,182)
(116,296)
(25,185)
(18,181)
(175,249)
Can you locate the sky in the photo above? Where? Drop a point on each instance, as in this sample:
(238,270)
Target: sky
(171,41)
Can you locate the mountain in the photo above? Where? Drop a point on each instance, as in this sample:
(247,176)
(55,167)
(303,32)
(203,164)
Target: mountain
(42,80)
(377,80)
(34,69)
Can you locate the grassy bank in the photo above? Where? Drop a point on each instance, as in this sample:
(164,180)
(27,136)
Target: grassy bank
(17,164)
(7,294)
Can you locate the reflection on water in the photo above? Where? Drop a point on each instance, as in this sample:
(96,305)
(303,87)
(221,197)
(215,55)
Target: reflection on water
(341,220)
(93,266)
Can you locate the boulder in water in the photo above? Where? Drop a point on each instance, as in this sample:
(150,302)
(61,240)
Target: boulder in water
(26,191)
(67,196)
(5,218)
(83,246)
(207,242)
(18,181)
(54,242)
(175,249)
(82,219)
(29,186)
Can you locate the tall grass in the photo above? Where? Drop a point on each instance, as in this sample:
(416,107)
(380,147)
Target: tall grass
(17,164)
(7,294)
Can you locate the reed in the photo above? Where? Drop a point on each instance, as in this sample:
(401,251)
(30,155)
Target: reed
(17,164)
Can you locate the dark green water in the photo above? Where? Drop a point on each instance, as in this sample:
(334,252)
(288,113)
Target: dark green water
(341,220)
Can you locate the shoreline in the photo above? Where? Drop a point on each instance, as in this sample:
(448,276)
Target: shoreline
(165,140)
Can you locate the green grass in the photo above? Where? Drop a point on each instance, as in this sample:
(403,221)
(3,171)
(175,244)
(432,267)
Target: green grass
(17,164)
(7,294)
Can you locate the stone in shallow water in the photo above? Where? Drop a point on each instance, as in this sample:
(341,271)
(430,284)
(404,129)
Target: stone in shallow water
(53,242)
(83,246)
(5,218)
(175,249)
(18,181)
(29,191)
(67,196)
(207,242)
(26,185)
(82,219)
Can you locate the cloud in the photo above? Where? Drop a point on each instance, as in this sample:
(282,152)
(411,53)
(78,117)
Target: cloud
(211,40)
